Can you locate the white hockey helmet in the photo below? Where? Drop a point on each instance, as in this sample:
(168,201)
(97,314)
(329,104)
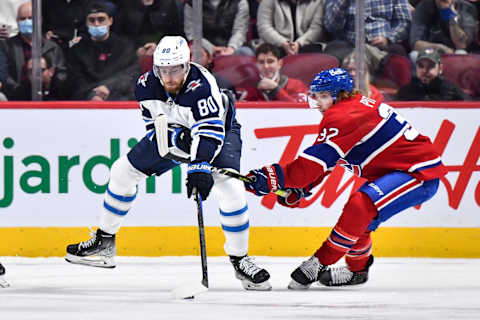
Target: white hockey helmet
(171,51)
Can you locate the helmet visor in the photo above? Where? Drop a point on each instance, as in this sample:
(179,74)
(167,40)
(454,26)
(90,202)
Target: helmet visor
(312,103)
(172,71)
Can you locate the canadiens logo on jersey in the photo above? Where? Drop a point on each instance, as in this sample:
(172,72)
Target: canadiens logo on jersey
(192,85)
(353,168)
(143,79)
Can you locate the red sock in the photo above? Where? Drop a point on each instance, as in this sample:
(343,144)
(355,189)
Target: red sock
(357,257)
(352,224)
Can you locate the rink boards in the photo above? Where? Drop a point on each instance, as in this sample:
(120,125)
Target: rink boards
(54,169)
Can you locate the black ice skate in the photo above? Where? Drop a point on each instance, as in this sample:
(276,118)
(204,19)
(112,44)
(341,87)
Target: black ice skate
(3,282)
(251,276)
(96,252)
(306,274)
(342,276)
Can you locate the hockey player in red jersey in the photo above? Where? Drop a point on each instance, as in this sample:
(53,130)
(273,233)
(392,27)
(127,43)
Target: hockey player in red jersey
(373,141)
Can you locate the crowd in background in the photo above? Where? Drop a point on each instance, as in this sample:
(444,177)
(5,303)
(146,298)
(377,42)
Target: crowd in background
(261,49)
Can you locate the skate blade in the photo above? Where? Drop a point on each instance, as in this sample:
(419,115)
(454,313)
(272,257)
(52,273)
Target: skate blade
(92,261)
(294,285)
(262,286)
(188,291)
(4,283)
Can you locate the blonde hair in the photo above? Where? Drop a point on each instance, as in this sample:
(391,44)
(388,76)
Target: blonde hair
(344,95)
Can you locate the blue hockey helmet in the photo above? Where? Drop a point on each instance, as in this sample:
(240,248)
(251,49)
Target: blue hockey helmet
(333,81)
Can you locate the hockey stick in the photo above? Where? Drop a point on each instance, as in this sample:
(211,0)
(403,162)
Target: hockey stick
(189,291)
(201,235)
(241,177)
(161,131)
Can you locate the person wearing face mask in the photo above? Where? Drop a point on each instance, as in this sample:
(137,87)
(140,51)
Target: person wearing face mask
(272,84)
(448,26)
(102,65)
(18,50)
(428,83)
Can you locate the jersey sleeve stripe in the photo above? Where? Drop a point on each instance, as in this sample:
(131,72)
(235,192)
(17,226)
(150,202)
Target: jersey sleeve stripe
(384,136)
(316,160)
(337,148)
(425,165)
(212,122)
(322,153)
(210,135)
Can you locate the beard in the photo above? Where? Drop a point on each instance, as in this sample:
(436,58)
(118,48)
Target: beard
(173,88)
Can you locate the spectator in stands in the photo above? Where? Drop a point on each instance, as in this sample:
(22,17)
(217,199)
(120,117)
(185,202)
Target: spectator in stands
(3,73)
(207,62)
(103,66)
(252,22)
(348,63)
(387,24)
(8,15)
(18,50)
(294,25)
(50,90)
(428,83)
(449,26)
(225,25)
(273,85)
(63,21)
(145,22)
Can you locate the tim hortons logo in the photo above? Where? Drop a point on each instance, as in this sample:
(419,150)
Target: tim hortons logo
(331,188)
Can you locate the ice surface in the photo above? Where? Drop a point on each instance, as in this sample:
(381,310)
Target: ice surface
(139,288)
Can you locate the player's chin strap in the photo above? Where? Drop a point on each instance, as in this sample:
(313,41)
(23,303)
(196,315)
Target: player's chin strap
(172,153)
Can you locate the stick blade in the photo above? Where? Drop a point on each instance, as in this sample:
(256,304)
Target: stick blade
(161,132)
(188,291)
(3,283)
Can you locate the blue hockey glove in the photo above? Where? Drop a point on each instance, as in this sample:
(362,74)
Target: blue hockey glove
(179,137)
(294,195)
(199,177)
(265,180)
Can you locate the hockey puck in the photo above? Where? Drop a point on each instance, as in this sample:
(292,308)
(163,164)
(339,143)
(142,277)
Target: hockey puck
(191,297)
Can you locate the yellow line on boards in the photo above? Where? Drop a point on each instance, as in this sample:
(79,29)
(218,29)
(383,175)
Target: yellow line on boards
(264,241)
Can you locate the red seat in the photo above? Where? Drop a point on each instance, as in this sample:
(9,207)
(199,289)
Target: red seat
(305,66)
(397,72)
(464,71)
(241,71)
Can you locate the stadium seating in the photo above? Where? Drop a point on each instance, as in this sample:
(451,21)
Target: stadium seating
(305,66)
(241,71)
(464,71)
(397,72)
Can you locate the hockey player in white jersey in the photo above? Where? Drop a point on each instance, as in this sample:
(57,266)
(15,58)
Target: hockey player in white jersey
(202,130)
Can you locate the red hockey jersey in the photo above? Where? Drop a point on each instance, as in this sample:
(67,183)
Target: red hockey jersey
(370,139)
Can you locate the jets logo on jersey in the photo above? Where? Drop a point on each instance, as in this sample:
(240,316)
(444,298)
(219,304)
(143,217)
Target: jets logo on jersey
(143,79)
(192,85)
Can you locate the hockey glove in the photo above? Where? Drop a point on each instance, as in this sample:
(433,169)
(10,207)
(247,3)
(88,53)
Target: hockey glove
(265,180)
(199,177)
(179,137)
(294,195)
